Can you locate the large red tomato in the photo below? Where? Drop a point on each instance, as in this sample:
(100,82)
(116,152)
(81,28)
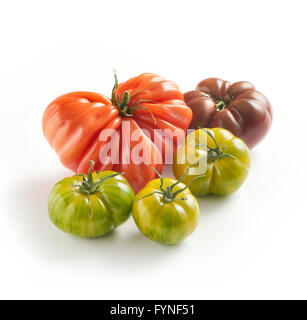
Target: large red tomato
(237,107)
(74,124)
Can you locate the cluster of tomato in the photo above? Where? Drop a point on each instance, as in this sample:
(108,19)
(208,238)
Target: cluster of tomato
(213,159)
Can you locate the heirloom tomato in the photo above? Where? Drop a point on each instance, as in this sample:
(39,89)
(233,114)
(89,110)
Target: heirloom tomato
(91,206)
(217,162)
(165,211)
(237,107)
(83,126)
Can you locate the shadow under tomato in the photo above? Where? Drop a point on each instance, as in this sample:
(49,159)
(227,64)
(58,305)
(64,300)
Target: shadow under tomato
(126,248)
(27,201)
(213,205)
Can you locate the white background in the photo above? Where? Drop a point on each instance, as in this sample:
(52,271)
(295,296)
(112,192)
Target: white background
(248,245)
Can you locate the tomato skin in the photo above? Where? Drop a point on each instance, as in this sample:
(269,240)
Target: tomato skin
(247,114)
(165,223)
(73,124)
(69,209)
(221,177)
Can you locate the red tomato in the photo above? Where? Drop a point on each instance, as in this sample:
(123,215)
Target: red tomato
(75,123)
(237,107)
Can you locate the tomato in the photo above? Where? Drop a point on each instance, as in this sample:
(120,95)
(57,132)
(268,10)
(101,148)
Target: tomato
(91,206)
(217,162)
(75,123)
(165,211)
(237,107)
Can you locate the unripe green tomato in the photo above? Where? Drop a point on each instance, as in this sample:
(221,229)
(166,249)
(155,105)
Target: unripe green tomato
(161,218)
(218,162)
(91,214)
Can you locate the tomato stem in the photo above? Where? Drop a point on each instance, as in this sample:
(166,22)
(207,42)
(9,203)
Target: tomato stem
(213,153)
(220,103)
(90,172)
(167,193)
(123,105)
(87,186)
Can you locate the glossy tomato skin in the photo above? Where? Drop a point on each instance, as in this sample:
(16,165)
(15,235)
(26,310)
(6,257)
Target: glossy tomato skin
(73,125)
(221,177)
(166,223)
(70,211)
(248,113)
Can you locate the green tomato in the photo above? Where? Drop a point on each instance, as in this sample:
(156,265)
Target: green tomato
(165,211)
(216,160)
(92,206)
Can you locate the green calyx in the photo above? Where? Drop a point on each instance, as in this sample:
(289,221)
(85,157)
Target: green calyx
(215,153)
(87,186)
(168,193)
(220,103)
(123,104)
